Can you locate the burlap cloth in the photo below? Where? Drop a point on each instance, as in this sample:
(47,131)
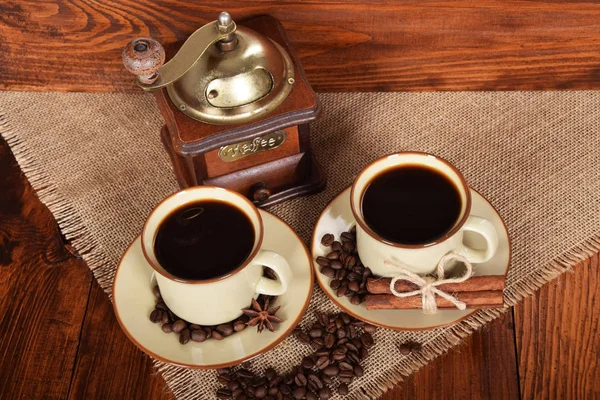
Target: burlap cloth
(97,162)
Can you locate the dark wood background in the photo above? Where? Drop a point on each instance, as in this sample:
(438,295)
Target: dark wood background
(59,337)
(345,45)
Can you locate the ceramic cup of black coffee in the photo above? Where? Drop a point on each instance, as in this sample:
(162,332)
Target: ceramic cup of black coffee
(204,244)
(411,209)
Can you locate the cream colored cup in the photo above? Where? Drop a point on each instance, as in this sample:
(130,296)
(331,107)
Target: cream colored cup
(218,300)
(422,258)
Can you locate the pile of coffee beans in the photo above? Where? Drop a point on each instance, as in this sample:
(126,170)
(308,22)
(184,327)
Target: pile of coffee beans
(340,344)
(187,331)
(342,264)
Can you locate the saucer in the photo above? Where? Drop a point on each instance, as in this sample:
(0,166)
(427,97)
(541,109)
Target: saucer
(133,301)
(337,218)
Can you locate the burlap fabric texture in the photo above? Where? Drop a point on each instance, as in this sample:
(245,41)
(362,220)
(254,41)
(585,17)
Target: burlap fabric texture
(97,163)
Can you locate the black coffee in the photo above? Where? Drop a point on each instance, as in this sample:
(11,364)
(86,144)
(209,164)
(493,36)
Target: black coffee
(411,204)
(204,240)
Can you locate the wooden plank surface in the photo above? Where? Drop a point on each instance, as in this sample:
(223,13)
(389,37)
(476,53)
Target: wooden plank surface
(368,45)
(558,340)
(60,338)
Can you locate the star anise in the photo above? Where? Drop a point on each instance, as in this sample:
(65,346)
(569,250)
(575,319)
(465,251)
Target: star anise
(262,316)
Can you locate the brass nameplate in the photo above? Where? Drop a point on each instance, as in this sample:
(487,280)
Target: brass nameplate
(233,152)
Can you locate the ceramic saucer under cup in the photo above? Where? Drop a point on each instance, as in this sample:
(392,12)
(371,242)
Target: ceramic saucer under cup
(337,218)
(133,302)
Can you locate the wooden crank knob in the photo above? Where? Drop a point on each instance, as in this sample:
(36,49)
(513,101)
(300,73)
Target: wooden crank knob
(143,57)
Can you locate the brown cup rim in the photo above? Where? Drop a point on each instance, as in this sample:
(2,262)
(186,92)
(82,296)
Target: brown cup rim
(360,220)
(160,270)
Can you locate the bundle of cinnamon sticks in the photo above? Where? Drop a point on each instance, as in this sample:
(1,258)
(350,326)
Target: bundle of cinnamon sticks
(484,291)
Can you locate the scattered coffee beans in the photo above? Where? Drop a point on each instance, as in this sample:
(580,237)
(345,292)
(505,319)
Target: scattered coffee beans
(196,333)
(409,347)
(343,266)
(340,343)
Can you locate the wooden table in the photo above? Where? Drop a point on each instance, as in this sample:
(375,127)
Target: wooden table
(60,338)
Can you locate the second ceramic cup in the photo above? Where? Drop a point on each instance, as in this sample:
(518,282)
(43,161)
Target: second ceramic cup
(420,258)
(220,299)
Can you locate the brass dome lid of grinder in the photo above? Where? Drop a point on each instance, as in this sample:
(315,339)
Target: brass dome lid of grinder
(223,74)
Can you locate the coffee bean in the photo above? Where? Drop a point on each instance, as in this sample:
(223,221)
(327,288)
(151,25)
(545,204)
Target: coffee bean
(343,257)
(331,370)
(322,362)
(369,328)
(225,329)
(327,380)
(311,396)
(285,389)
(341,333)
(358,270)
(366,339)
(335,284)
(343,341)
(346,376)
(217,335)
(353,357)
(260,392)
(233,385)
(342,289)
(322,261)
(155,316)
(300,380)
(303,338)
(339,353)
(359,371)
(353,286)
(328,272)
(339,323)
(273,391)
(208,331)
(355,299)
(164,317)
(336,264)
(156,291)
(346,366)
(224,379)
(336,246)
(345,318)
(161,306)
(179,325)
(315,381)
(364,353)
(348,247)
(350,346)
(366,273)
(299,393)
(224,394)
(239,326)
(315,332)
(167,328)
(354,277)
(307,362)
(329,340)
(237,393)
(343,389)
(415,346)
(327,239)
(184,336)
(259,381)
(357,343)
(340,274)
(334,255)
(275,381)
(317,343)
(270,373)
(325,393)
(244,373)
(347,237)
(350,262)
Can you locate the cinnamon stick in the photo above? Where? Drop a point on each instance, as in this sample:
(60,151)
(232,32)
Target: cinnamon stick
(473,284)
(484,299)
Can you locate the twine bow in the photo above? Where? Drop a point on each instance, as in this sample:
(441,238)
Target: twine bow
(428,285)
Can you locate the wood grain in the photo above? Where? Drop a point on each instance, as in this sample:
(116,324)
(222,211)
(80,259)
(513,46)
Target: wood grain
(108,365)
(483,366)
(557,337)
(43,294)
(368,45)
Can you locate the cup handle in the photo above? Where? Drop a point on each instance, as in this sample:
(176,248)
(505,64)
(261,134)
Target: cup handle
(281,268)
(486,229)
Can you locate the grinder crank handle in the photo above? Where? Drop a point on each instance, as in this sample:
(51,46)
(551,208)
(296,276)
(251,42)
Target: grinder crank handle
(144,57)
